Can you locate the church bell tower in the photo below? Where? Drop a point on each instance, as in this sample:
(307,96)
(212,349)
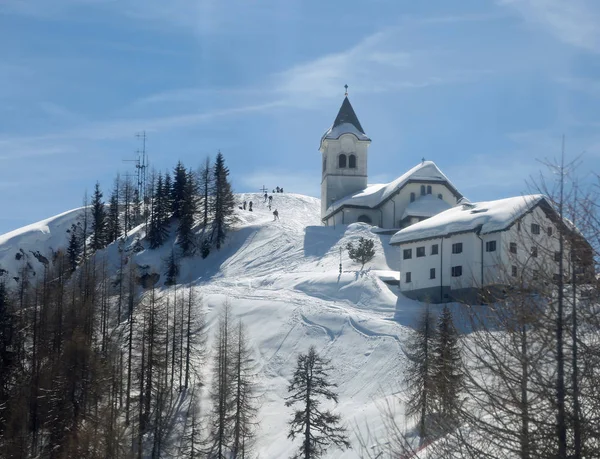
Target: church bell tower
(344,156)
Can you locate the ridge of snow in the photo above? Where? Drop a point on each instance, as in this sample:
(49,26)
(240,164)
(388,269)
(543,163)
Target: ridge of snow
(282,277)
(489,215)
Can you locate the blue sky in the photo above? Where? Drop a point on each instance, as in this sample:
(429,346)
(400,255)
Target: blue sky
(483,88)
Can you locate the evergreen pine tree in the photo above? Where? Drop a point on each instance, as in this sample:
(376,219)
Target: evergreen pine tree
(223,201)
(180,177)
(363,252)
(447,368)
(172,269)
(74,247)
(319,429)
(205,180)
(419,372)
(187,214)
(98,220)
(156,233)
(113,220)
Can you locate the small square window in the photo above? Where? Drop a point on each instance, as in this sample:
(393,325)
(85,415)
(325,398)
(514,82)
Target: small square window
(535,228)
(456,271)
(557,256)
(420,252)
(432,273)
(408,278)
(490,246)
(513,247)
(440,196)
(534,251)
(549,231)
(514,271)
(407,254)
(434,249)
(457,247)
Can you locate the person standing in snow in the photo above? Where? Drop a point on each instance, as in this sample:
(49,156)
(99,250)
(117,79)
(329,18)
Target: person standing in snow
(270,199)
(244,205)
(250,206)
(275,215)
(277,188)
(281,190)
(265,197)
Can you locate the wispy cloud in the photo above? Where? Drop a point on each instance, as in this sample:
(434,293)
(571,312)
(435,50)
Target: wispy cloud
(576,22)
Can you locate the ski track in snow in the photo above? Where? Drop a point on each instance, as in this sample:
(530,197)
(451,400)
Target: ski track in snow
(282,278)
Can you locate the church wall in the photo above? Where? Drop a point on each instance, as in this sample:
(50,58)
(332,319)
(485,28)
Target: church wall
(395,207)
(339,182)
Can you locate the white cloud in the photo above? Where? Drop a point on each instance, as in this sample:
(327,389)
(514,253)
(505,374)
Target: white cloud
(576,22)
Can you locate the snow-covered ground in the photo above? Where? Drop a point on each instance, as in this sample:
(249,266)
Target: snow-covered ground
(282,278)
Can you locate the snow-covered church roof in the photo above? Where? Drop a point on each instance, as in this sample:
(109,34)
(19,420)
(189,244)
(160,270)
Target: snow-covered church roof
(375,195)
(425,207)
(484,217)
(346,122)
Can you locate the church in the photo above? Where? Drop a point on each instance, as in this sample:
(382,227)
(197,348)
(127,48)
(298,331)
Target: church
(448,248)
(346,197)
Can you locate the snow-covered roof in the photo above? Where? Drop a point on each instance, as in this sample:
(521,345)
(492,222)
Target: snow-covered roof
(425,206)
(487,217)
(374,195)
(335,132)
(346,122)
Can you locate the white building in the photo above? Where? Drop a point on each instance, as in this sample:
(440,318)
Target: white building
(346,198)
(456,253)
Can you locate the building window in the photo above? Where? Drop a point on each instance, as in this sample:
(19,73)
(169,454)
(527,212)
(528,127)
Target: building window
(440,196)
(420,252)
(557,256)
(534,251)
(535,228)
(549,231)
(519,225)
(513,270)
(342,161)
(456,271)
(408,277)
(457,247)
(422,190)
(434,249)
(412,197)
(490,246)
(352,162)
(428,189)
(432,273)
(407,254)
(513,247)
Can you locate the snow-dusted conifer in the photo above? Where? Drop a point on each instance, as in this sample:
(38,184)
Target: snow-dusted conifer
(223,201)
(363,252)
(98,220)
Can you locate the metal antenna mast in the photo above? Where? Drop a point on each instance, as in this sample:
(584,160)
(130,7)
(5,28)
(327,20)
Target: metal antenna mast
(141,164)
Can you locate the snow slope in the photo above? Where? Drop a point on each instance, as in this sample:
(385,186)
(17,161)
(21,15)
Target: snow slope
(282,278)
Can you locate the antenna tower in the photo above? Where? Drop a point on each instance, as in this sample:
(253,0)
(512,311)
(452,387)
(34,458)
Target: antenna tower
(141,164)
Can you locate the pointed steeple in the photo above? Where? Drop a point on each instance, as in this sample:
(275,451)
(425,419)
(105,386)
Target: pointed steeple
(347,115)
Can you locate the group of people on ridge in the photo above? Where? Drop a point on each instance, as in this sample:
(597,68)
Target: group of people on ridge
(248,205)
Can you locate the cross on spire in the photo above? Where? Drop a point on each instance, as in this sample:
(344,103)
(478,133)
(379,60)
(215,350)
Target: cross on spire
(346,87)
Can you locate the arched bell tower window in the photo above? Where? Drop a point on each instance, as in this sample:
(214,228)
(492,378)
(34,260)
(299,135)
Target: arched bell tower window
(342,161)
(422,190)
(352,162)
(428,189)
(412,197)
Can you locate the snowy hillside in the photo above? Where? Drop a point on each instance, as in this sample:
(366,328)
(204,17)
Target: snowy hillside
(282,278)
